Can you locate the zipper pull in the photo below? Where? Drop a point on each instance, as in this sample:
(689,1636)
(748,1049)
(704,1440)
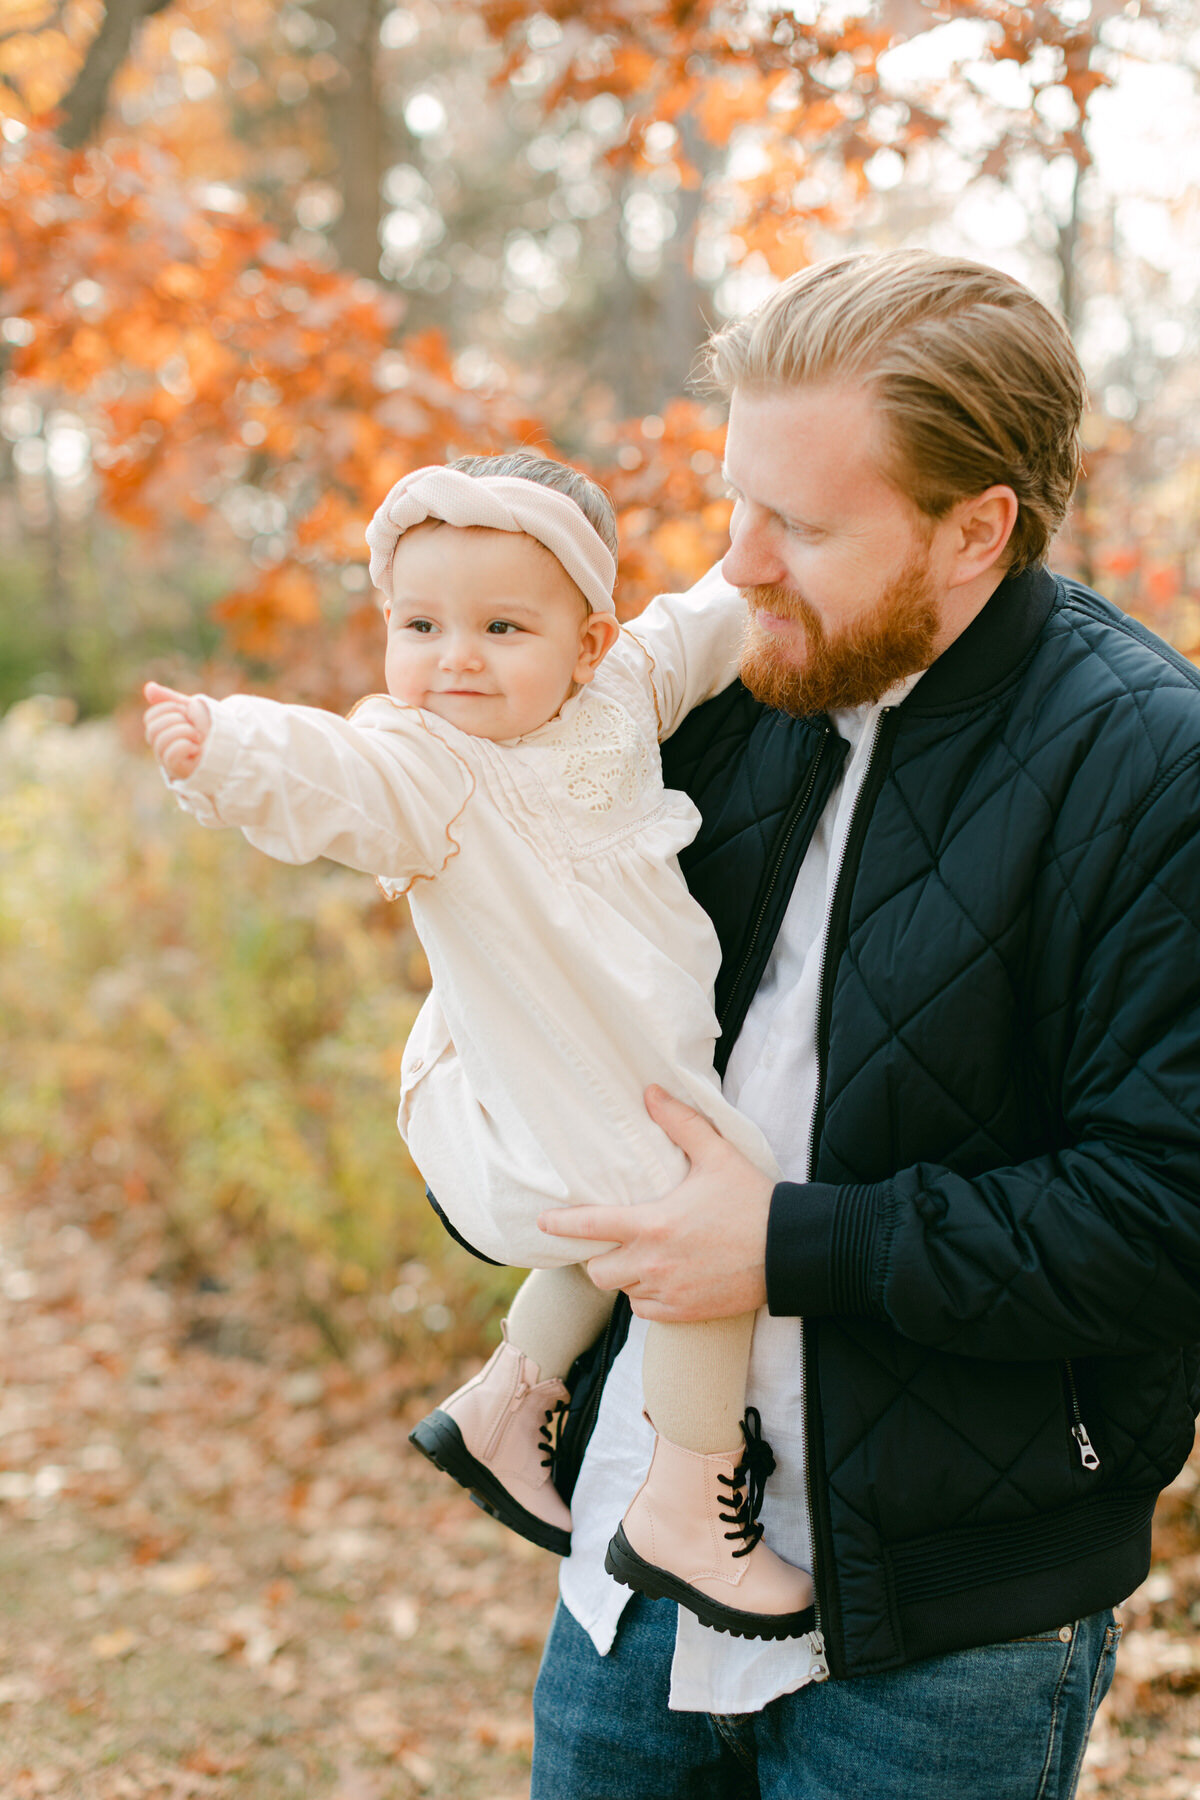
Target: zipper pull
(1087,1454)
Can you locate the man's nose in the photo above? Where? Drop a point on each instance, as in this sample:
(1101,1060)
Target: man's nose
(751,560)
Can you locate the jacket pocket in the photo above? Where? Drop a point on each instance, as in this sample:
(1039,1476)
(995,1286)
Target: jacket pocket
(1084,1448)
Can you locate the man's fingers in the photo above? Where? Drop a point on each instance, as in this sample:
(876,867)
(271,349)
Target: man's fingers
(605,1224)
(682,1124)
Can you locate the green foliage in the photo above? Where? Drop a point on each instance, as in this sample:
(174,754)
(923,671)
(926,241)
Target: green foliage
(30,641)
(212,1032)
(89,623)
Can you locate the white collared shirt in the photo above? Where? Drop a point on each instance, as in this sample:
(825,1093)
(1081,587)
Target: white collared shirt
(772,1078)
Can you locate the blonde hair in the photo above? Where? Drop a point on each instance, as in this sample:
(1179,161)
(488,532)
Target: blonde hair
(977,382)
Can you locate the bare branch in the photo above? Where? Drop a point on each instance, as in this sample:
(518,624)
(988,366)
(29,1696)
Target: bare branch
(84,107)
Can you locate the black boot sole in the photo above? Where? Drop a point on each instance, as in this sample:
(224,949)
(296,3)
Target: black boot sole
(626,1566)
(438,1438)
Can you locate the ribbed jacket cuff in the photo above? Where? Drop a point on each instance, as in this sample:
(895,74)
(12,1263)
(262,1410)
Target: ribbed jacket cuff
(822,1248)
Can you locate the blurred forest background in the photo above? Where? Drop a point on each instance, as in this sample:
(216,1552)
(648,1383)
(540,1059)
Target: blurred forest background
(259,257)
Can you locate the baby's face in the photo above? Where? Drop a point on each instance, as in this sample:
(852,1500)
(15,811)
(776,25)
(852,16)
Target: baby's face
(487,630)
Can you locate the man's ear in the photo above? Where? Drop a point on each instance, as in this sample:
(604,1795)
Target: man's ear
(981,527)
(599,635)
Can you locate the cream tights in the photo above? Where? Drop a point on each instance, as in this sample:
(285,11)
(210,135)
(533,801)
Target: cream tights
(693,1376)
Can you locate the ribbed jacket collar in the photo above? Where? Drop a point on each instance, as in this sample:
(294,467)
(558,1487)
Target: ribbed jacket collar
(992,647)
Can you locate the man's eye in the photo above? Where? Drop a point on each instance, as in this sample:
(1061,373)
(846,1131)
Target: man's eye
(501,627)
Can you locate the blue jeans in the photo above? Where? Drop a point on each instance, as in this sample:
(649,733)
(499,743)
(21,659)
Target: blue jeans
(1008,1722)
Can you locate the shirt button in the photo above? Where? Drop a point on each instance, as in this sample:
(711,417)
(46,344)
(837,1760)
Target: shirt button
(1065,1634)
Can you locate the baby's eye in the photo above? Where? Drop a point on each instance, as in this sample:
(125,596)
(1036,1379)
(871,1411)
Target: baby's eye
(502,627)
(419,625)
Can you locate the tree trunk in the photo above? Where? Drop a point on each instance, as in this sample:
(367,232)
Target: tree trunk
(1070,298)
(84,107)
(356,131)
(682,325)
(652,330)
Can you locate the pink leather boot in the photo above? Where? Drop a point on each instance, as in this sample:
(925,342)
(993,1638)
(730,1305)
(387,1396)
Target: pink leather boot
(692,1535)
(496,1435)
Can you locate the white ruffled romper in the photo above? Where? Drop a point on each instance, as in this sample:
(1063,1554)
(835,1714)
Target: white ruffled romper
(571,966)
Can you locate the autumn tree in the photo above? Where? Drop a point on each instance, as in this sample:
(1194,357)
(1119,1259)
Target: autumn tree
(265,256)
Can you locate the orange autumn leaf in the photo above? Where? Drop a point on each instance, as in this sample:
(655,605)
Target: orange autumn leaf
(257,617)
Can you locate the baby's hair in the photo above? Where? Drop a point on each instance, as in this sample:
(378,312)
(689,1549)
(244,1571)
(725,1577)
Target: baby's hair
(587,494)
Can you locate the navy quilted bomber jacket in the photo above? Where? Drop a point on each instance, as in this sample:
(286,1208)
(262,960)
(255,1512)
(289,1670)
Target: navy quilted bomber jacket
(998,1263)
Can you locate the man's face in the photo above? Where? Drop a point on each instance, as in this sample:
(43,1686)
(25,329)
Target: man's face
(840,570)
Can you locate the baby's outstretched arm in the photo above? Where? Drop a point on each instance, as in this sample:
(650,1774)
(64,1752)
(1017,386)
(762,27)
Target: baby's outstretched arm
(176,727)
(380,792)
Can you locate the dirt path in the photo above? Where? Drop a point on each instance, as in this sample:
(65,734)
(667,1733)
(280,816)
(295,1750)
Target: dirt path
(223,1572)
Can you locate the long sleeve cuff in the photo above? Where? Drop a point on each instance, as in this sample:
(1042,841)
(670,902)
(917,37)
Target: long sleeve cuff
(824,1246)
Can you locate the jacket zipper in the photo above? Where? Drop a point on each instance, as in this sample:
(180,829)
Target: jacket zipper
(781,856)
(822,987)
(1087,1453)
(811,1424)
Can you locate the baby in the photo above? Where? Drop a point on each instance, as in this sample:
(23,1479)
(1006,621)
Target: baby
(509,784)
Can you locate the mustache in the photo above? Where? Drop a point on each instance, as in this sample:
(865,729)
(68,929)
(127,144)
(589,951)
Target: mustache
(785,603)
(852,665)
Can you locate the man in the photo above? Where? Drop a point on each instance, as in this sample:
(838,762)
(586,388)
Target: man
(950,847)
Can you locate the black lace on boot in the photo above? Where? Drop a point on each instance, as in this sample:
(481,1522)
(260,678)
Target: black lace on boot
(747,1484)
(550,1434)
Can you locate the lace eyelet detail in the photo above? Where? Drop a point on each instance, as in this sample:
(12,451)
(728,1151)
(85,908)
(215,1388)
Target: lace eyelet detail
(602,757)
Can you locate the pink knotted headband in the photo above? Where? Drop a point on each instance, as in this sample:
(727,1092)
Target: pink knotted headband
(502,503)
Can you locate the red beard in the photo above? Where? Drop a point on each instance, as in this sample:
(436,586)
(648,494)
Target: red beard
(854,668)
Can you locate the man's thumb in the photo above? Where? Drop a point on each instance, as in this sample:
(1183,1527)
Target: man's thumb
(682,1124)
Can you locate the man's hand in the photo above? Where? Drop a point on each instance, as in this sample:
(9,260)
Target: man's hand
(698,1253)
(176,727)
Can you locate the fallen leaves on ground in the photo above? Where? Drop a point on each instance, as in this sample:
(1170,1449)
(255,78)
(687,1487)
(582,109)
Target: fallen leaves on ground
(1146,1745)
(226,1574)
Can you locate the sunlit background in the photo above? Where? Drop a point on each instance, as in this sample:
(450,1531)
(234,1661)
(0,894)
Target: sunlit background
(544,210)
(258,258)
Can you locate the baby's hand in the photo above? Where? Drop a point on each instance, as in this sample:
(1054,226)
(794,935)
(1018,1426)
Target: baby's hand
(176,727)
